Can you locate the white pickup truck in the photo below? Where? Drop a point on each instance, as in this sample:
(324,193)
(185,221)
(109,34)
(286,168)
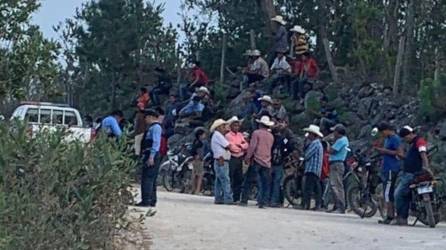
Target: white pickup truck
(44,115)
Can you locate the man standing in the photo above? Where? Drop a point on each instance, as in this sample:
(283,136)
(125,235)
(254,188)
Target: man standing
(313,167)
(280,150)
(390,166)
(151,159)
(414,163)
(220,149)
(338,154)
(259,155)
(110,124)
(238,147)
(281,35)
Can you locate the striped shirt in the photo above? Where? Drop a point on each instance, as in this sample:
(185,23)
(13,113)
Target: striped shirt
(313,158)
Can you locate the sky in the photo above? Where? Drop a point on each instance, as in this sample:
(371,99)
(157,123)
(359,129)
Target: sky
(52,12)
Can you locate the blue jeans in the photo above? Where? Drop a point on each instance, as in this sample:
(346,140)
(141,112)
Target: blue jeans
(263,183)
(248,179)
(222,187)
(148,181)
(403,195)
(277,177)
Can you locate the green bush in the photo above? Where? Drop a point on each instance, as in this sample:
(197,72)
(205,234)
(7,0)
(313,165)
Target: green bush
(58,195)
(431,96)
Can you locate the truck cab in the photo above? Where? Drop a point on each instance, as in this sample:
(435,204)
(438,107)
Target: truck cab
(45,115)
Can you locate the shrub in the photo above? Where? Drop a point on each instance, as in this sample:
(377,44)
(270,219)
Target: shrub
(431,95)
(57,195)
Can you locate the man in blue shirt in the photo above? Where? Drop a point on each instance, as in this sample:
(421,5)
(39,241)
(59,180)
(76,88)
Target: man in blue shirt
(110,124)
(151,159)
(194,107)
(391,166)
(313,168)
(338,154)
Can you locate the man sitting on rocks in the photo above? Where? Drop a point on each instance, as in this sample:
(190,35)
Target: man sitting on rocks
(305,71)
(258,70)
(279,112)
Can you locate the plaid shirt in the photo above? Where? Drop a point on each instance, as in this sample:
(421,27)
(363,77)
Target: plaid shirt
(313,157)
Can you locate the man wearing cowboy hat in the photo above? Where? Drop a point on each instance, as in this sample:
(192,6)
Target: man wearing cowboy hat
(313,166)
(281,35)
(259,68)
(280,70)
(259,156)
(222,155)
(298,40)
(238,147)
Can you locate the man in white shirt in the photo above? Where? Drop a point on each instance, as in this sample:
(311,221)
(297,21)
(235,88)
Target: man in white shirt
(222,155)
(258,70)
(281,71)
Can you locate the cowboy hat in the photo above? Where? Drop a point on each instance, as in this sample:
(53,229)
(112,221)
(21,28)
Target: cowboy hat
(265,120)
(298,29)
(279,19)
(266,98)
(315,130)
(217,123)
(203,89)
(256,52)
(234,119)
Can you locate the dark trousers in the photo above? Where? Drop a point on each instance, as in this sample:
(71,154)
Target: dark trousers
(311,185)
(299,88)
(148,182)
(248,179)
(276,185)
(254,78)
(236,176)
(263,184)
(279,80)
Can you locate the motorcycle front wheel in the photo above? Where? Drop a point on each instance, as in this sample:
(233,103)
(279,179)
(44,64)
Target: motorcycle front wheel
(363,205)
(429,218)
(292,190)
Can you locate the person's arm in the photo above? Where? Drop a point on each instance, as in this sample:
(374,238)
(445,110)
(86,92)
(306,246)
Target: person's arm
(115,128)
(252,147)
(196,78)
(337,146)
(244,144)
(156,138)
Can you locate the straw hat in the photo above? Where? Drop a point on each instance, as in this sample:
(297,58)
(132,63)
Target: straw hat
(234,119)
(256,52)
(203,89)
(266,98)
(279,19)
(298,29)
(217,123)
(314,130)
(265,120)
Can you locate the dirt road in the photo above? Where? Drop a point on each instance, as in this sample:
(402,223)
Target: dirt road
(194,222)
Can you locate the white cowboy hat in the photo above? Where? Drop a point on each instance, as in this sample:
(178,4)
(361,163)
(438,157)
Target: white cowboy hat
(256,52)
(203,89)
(279,19)
(298,29)
(265,120)
(266,98)
(315,130)
(217,123)
(234,119)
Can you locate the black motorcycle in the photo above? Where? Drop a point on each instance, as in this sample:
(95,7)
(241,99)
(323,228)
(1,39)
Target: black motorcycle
(176,172)
(292,185)
(208,175)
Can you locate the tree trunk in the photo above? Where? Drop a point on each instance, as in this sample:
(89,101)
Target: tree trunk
(252,39)
(409,54)
(270,12)
(399,62)
(223,58)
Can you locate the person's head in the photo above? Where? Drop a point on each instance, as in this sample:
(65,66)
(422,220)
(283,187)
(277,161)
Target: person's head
(280,54)
(339,131)
(172,98)
(407,134)
(142,91)
(278,21)
(265,122)
(277,104)
(200,134)
(219,125)
(313,132)
(151,116)
(118,115)
(386,129)
(265,101)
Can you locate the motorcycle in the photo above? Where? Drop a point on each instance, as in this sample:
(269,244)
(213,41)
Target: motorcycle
(292,185)
(425,204)
(176,172)
(208,176)
(362,183)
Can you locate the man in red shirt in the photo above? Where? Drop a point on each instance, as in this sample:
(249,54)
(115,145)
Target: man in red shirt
(304,71)
(199,77)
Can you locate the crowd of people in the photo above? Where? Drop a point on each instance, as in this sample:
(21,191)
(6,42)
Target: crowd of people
(258,144)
